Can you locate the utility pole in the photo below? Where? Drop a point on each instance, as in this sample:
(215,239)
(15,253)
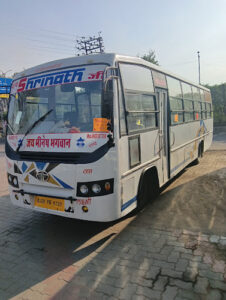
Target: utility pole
(90,45)
(199,66)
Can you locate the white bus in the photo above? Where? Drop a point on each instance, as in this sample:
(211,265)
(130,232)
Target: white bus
(94,137)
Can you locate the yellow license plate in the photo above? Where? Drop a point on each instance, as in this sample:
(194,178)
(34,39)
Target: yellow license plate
(50,203)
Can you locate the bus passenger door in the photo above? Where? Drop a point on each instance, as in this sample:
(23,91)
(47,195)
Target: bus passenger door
(163,134)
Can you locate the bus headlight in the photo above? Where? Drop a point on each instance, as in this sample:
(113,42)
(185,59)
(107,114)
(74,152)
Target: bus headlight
(84,189)
(10,178)
(13,180)
(96,188)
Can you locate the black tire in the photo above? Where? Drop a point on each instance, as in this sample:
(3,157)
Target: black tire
(149,189)
(200,155)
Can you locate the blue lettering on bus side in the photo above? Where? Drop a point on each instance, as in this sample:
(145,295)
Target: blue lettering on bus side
(79,73)
(29,84)
(69,76)
(42,83)
(37,81)
(59,79)
(48,79)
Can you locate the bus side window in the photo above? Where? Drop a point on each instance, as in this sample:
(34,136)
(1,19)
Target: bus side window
(203,104)
(208,100)
(208,108)
(188,102)
(207,96)
(203,110)
(140,105)
(198,110)
(176,101)
(197,103)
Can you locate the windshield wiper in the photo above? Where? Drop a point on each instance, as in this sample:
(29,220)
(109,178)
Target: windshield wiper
(32,126)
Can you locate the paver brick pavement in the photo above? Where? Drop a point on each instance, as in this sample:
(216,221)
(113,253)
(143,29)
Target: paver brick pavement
(48,257)
(147,278)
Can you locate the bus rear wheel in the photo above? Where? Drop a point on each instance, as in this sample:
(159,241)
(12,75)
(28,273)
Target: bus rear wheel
(149,189)
(200,154)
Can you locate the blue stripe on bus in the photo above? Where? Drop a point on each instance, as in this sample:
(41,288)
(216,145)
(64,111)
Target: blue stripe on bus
(128,203)
(66,186)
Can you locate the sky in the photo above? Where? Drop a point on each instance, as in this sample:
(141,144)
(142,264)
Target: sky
(34,32)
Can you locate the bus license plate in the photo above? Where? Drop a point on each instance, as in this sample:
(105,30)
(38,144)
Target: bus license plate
(49,203)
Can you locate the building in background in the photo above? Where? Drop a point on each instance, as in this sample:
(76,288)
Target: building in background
(5,84)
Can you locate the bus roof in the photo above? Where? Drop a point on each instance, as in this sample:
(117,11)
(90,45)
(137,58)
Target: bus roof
(103,58)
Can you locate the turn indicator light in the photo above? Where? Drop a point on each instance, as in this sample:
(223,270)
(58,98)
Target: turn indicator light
(85,209)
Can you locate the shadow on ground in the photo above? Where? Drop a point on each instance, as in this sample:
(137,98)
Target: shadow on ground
(69,258)
(158,253)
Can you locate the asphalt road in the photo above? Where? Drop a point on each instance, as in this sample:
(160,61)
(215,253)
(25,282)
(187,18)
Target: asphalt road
(219,139)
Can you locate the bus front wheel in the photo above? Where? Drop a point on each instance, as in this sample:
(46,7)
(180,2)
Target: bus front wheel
(149,188)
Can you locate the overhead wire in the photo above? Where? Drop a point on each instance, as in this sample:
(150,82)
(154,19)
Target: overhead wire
(57,32)
(52,43)
(21,33)
(44,42)
(51,48)
(181,63)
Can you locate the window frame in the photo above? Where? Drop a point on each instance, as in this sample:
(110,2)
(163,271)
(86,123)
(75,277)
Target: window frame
(138,92)
(210,111)
(143,113)
(203,113)
(130,138)
(174,111)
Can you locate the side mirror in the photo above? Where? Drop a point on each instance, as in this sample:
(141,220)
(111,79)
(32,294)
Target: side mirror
(110,73)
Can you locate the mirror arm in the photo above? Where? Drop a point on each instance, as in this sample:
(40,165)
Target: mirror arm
(110,142)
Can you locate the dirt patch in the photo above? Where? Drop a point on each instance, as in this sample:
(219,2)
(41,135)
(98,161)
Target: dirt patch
(200,245)
(196,200)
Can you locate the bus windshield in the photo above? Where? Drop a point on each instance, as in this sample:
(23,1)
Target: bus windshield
(73,107)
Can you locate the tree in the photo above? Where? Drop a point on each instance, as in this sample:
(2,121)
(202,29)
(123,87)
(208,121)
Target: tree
(151,57)
(218,92)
